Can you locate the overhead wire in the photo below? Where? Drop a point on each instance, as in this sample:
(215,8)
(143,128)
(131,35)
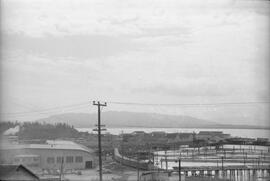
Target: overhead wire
(52,109)
(190,104)
(86,104)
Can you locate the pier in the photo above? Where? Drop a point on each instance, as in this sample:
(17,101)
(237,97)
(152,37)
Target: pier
(231,172)
(210,169)
(235,163)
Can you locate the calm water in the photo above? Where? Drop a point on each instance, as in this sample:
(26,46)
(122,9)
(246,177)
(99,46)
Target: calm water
(246,133)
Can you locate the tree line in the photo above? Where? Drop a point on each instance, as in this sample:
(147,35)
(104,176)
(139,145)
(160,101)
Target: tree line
(37,130)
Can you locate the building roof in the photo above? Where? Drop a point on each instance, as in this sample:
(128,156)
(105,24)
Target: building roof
(10,146)
(52,145)
(7,170)
(60,145)
(26,156)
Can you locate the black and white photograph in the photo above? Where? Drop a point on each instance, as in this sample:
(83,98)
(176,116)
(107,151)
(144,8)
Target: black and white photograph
(134,90)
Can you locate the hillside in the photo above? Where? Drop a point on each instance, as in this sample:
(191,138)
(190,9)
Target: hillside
(129,119)
(37,130)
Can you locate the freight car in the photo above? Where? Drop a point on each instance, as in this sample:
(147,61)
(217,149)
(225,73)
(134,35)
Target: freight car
(139,164)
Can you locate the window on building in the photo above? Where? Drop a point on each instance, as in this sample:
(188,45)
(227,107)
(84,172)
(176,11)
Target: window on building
(69,159)
(78,159)
(59,159)
(50,160)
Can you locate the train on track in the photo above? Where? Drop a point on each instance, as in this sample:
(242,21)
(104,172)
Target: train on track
(139,164)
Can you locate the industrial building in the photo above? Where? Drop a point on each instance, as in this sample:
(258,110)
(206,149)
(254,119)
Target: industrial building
(212,136)
(51,155)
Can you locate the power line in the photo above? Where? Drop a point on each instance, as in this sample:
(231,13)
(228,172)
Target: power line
(191,104)
(48,110)
(85,104)
(44,113)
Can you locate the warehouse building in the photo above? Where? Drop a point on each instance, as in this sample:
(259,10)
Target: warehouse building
(52,155)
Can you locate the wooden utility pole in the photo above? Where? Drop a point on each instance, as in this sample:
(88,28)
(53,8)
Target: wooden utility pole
(61,168)
(166,161)
(222,160)
(98,129)
(138,171)
(179,169)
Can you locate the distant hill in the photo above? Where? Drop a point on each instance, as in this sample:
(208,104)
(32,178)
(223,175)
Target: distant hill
(130,119)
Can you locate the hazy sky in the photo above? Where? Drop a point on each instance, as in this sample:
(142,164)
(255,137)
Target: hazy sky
(63,52)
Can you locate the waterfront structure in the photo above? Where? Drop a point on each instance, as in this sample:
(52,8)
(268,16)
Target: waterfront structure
(262,140)
(179,137)
(51,155)
(158,133)
(141,133)
(243,141)
(16,173)
(212,136)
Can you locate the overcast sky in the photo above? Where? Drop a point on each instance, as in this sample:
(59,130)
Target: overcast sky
(64,52)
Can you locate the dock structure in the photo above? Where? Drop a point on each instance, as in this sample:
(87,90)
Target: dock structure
(226,170)
(230,155)
(215,160)
(222,163)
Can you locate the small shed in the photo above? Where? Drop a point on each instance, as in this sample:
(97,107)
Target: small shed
(16,173)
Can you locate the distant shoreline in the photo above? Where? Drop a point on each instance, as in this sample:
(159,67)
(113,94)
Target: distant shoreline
(257,128)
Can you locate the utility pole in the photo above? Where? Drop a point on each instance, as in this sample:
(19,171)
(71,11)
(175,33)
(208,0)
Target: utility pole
(222,166)
(138,171)
(166,161)
(98,129)
(61,168)
(179,168)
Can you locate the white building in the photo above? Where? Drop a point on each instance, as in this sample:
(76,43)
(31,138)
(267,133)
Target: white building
(51,155)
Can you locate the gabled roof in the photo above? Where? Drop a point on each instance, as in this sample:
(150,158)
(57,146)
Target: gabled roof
(9,169)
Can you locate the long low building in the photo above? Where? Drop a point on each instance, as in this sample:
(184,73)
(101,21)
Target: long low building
(51,155)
